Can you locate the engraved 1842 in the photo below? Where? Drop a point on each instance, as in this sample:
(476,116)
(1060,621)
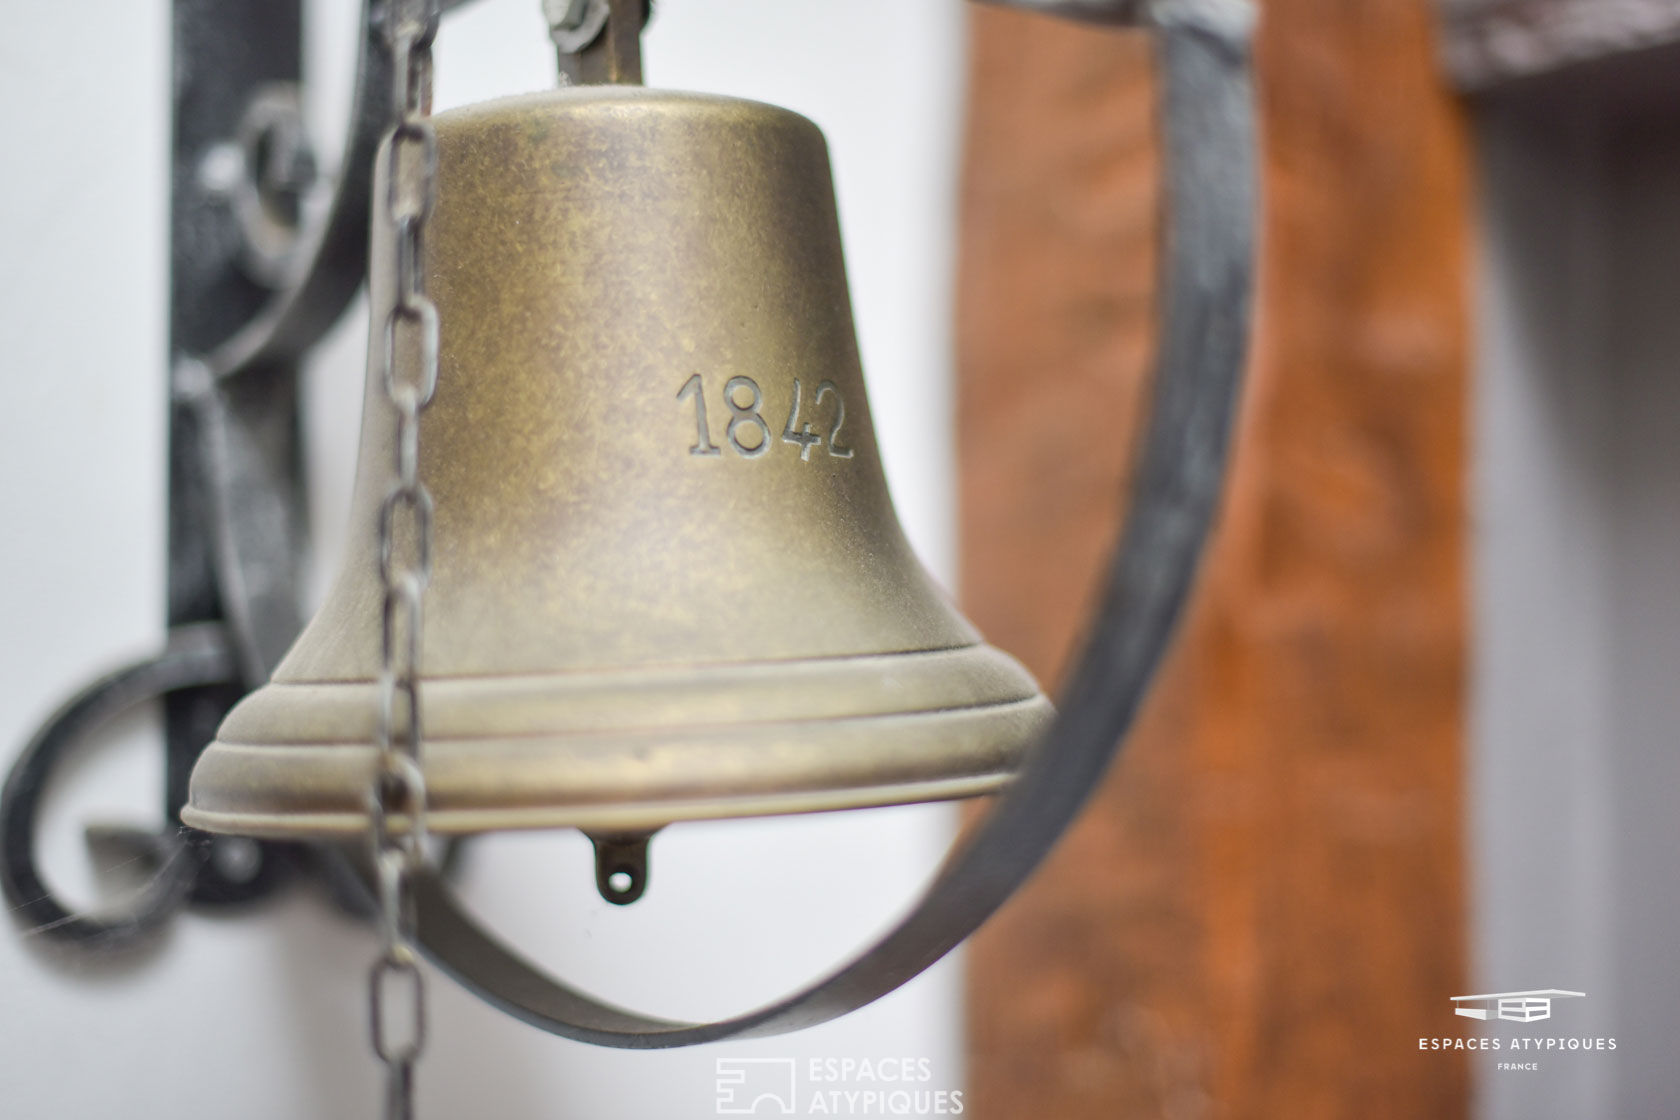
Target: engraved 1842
(750,435)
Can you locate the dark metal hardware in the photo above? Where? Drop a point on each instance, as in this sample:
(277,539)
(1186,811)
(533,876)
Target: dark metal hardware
(249,439)
(197,658)
(621,867)
(242,314)
(598,41)
(235,495)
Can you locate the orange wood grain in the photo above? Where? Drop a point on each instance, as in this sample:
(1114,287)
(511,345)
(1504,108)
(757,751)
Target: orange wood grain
(1262,911)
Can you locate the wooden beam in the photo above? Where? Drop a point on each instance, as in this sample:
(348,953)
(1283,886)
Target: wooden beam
(1263,910)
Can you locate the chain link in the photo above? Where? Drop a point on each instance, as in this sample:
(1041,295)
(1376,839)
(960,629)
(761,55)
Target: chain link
(408,358)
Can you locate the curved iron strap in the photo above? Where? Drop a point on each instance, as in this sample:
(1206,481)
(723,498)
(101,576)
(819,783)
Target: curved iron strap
(297,317)
(1204,52)
(196,656)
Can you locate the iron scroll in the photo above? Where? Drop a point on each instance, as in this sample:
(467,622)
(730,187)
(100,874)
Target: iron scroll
(235,495)
(197,656)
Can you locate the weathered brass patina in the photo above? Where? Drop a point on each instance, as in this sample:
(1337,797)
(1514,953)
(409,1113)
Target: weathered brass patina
(668,582)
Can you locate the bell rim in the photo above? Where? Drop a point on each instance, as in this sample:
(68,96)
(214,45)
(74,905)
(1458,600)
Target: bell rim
(319,791)
(629,818)
(672,698)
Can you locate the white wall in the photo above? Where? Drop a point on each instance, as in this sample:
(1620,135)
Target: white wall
(259,1014)
(1576,654)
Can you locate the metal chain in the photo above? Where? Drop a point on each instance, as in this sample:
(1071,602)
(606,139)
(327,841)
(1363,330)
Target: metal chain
(408,358)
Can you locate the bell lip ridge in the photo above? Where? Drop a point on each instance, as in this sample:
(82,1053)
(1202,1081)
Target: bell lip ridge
(672,699)
(964,740)
(325,797)
(643,817)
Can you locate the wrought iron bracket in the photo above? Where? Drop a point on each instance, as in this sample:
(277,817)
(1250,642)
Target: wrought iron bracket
(260,267)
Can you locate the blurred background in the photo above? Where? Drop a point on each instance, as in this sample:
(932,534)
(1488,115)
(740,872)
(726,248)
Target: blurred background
(1415,739)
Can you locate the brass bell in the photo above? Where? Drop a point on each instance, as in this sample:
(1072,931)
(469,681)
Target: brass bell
(667,579)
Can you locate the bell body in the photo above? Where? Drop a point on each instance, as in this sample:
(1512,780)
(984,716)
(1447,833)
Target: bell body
(667,580)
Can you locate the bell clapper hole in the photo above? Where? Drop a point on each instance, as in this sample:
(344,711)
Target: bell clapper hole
(621,866)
